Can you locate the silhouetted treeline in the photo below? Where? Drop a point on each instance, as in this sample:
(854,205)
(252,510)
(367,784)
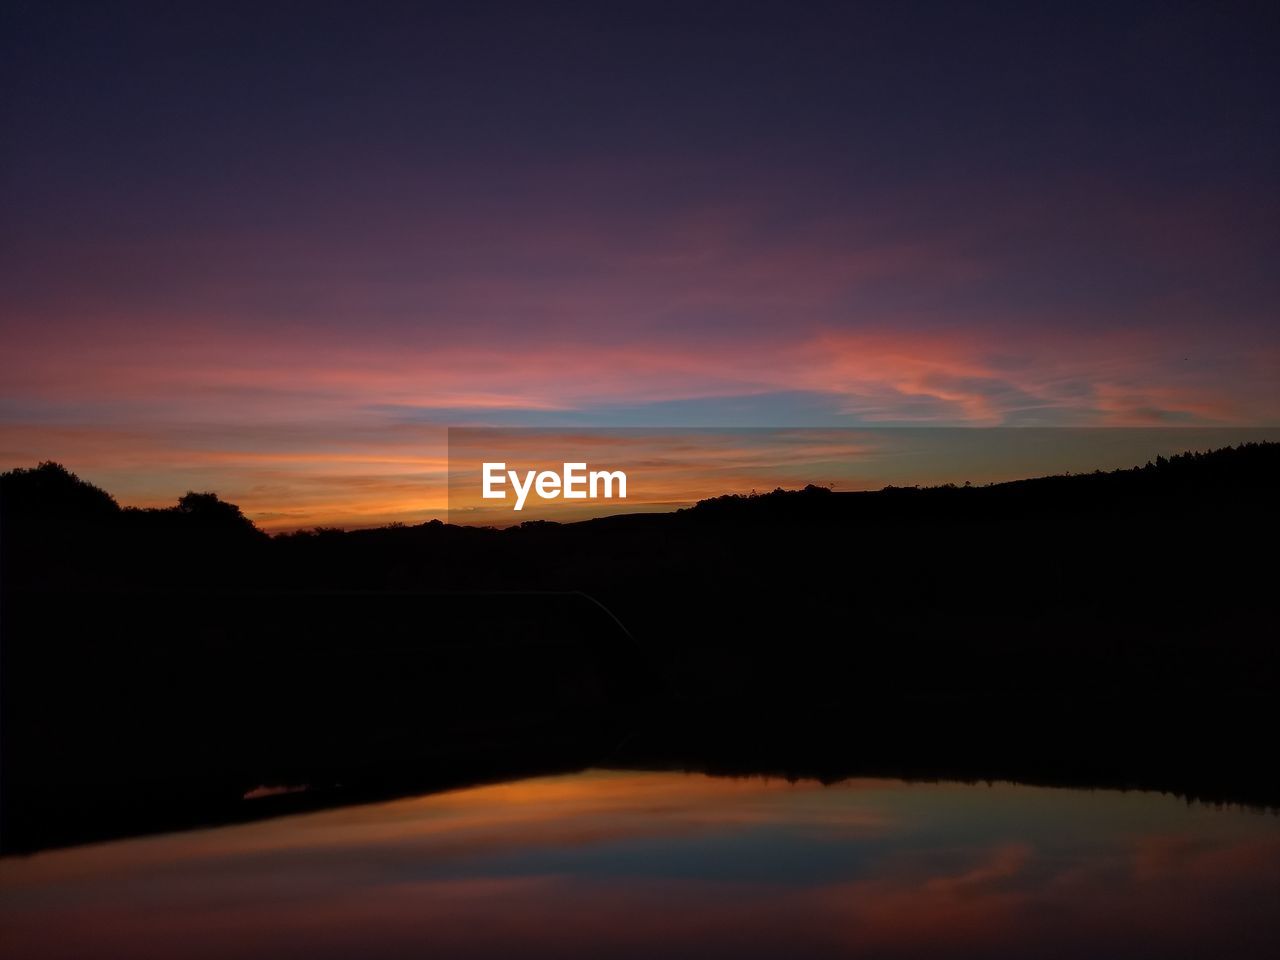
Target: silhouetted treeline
(61,532)
(1117,627)
(1118,581)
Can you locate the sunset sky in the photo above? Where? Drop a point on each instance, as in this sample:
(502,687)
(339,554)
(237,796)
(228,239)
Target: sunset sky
(277,252)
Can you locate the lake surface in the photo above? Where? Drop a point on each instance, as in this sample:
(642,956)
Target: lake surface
(639,864)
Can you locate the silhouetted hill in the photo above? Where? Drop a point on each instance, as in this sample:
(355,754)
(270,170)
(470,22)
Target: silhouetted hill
(163,547)
(1110,627)
(1248,468)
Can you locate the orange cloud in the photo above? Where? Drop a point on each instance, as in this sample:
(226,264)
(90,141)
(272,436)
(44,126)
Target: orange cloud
(334,431)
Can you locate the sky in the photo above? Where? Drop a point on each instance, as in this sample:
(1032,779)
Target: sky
(276,250)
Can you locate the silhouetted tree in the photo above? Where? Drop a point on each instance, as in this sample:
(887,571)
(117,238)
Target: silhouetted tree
(207,511)
(51,492)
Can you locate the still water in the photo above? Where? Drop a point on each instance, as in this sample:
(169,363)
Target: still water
(626,864)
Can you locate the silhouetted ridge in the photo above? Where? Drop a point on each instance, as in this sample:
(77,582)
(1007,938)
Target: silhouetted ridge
(1104,628)
(50,494)
(1251,466)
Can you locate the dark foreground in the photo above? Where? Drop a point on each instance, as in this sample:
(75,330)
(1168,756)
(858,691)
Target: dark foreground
(1105,630)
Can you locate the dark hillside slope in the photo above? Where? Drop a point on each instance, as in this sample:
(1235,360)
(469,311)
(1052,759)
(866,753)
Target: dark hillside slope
(1113,628)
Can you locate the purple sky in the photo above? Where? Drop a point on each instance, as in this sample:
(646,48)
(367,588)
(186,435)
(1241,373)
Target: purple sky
(276,254)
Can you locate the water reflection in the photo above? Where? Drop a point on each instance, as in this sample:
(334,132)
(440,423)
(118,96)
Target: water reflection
(626,864)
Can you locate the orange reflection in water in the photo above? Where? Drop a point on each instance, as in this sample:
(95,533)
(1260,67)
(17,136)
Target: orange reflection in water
(648,864)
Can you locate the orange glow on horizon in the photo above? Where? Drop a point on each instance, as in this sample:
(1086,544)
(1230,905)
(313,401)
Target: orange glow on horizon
(339,434)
